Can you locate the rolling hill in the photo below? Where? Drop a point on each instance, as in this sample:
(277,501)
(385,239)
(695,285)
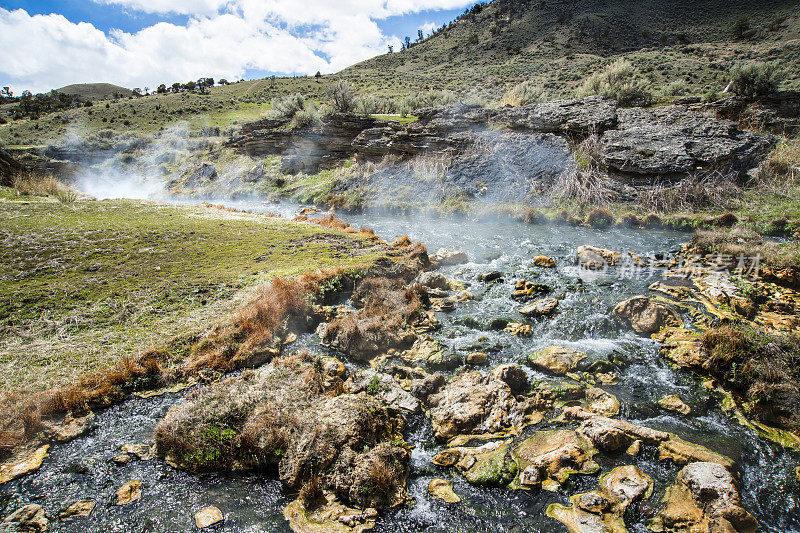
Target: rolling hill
(95,91)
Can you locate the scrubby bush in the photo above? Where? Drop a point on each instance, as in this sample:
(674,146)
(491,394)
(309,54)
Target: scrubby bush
(741,28)
(755,79)
(676,88)
(295,108)
(524,93)
(341,96)
(618,82)
(600,218)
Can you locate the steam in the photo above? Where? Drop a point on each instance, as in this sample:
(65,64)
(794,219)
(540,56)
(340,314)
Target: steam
(135,168)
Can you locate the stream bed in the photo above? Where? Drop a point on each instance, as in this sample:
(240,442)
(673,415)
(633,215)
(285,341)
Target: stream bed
(83,468)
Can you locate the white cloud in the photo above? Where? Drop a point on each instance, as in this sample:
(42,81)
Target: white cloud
(223,38)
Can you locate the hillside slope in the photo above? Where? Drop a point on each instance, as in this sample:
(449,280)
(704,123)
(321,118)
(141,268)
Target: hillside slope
(558,43)
(95,91)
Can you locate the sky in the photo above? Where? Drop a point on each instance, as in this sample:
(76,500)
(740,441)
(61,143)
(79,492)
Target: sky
(142,43)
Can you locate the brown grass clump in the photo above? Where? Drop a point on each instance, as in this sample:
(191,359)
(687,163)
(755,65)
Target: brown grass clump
(600,218)
(631,220)
(36,184)
(652,221)
(761,369)
(714,190)
(388,311)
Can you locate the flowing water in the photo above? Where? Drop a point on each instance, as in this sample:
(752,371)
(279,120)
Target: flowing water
(82,469)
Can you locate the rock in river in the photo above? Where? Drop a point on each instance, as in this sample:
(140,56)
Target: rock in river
(542,307)
(443,490)
(208,517)
(28,519)
(556,360)
(646,316)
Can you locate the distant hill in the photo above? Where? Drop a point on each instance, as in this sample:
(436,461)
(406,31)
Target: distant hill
(95,91)
(557,43)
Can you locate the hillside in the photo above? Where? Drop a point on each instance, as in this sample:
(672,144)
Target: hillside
(557,43)
(553,44)
(95,91)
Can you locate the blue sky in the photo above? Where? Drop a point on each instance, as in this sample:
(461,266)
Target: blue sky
(138,43)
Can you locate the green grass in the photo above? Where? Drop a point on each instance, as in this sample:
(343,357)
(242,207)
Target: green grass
(82,285)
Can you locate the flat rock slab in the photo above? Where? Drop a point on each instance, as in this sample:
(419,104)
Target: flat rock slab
(556,360)
(542,307)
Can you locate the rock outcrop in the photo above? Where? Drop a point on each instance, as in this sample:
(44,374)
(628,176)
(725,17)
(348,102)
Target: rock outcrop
(647,316)
(8,167)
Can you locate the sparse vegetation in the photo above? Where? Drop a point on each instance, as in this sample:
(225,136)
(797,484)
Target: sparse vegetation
(523,94)
(755,79)
(618,81)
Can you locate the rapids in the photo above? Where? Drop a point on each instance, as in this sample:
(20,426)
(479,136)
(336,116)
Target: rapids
(82,469)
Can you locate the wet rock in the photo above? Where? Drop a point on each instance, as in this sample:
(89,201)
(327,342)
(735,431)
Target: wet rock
(646,316)
(8,168)
(382,386)
(579,521)
(521,330)
(548,458)
(445,257)
(30,518)
(144,452)
(328,516)
(78,509)
(433,354)
(67,428)
(627,484)
(601,402)
(682,452)
(556,360)
(477,359)
(674,403)
(430,384)
(122,459)
(634,448)
(592,502)
(26,462)
(610,434)
(597,258)
(543,261)
(488,277)
(703,498)
(473,403)
(524,289)
(434,280)
(129,492)
(513,376)
(443,490)
(208,517)
(542,307)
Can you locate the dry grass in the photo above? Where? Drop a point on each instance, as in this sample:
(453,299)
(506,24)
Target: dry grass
(588,184)
(36,184)
(760,368)
(600,218)
(714,190)
(780,173)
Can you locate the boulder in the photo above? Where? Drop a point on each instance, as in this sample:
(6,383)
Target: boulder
(601,402)
(28,519)
(384,387)
(488,277)
(513,376)
(548,458)
(208,517)
(443,490)
(129,492)
(541,307)
(594,258)
(27,461)
(673,402)
(556,360)
(445,257)
(703,498)
(582,116)
(79,508)
(473,403)
(434,280)
(626,484)
(646,316)
(543,261)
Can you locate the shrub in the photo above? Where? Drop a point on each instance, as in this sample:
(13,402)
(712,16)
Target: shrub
(523,94)
(600,218)
(741,28)
(288,106)
(618,82)
(676,88)
(341,96)
(755,79)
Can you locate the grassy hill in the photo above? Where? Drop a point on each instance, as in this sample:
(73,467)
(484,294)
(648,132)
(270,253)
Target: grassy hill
(557,43)
(552,44)
(95,91)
